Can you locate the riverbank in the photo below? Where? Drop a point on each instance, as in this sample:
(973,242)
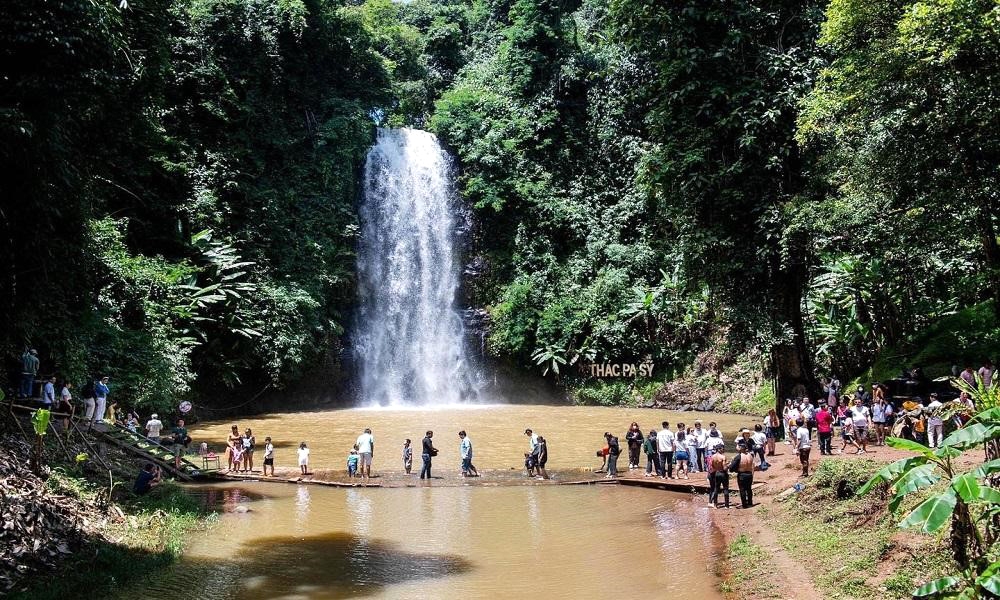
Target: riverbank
(77,528)
(823,541)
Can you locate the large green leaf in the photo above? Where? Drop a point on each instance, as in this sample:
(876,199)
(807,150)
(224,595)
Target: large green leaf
(932,514)
(915,479)
(904,444)
(966,486)
(988,495)
(992,414)
(933,588)
(970,436)
(990,579)
(986,469)
(891,471)
(947,452)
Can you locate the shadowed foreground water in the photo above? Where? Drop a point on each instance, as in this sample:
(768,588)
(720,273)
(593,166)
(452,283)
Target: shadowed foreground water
(309,542)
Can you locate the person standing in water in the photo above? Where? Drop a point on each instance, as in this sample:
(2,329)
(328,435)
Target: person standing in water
(249,441)
(634,440)
(268,456)
(428,451)
(366,449)
(681,454)
(530,455)
(665,451)
(407,456)
(465,451)
(304,458)
(652,454)
(543,457)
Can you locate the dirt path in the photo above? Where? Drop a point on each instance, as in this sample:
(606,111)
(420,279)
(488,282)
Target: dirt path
(784,568)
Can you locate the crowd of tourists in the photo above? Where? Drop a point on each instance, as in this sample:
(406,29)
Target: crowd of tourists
(240,453)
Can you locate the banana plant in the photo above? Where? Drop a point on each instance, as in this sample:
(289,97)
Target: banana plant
(967,502)
(40,422)
(551,357)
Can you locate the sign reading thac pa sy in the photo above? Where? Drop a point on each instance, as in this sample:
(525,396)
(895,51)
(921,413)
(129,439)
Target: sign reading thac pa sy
(610,369)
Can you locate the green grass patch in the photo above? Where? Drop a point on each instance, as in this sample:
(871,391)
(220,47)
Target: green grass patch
(759,404)
(150,537)
(844,539)
(749,569)
(614,393)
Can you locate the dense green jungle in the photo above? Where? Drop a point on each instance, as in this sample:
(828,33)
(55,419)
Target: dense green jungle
(798,189)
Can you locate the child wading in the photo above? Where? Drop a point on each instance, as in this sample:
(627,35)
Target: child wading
(268,456)
(352,461)
(304,458)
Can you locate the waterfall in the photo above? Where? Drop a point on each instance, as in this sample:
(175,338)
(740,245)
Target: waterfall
(408,340)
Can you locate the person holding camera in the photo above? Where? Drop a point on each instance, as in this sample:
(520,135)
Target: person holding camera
(428,452)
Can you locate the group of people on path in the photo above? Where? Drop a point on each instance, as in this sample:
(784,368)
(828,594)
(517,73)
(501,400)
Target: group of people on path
(694,449)
(686,448)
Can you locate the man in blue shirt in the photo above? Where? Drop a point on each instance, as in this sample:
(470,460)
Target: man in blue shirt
(49,393)
(102,391)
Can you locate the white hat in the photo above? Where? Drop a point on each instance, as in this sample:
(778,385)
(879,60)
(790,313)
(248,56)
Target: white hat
(153,416)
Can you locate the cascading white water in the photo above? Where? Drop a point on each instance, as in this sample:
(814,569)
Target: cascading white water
(408,338)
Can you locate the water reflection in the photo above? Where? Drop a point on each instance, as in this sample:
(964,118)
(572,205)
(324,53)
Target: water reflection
(332,565)
(224,499)
(302,508)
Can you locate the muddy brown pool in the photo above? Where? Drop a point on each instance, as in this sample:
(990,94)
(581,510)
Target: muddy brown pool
(552,542)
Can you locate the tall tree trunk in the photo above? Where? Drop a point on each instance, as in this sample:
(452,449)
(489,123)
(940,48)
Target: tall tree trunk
(791,362)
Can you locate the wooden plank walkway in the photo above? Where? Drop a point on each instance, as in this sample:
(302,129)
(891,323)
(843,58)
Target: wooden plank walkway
(686,486)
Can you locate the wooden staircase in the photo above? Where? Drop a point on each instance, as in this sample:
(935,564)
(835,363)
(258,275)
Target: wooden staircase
(144,448)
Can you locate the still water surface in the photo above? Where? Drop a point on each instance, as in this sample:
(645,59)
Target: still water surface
(469,542)
(573,433)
